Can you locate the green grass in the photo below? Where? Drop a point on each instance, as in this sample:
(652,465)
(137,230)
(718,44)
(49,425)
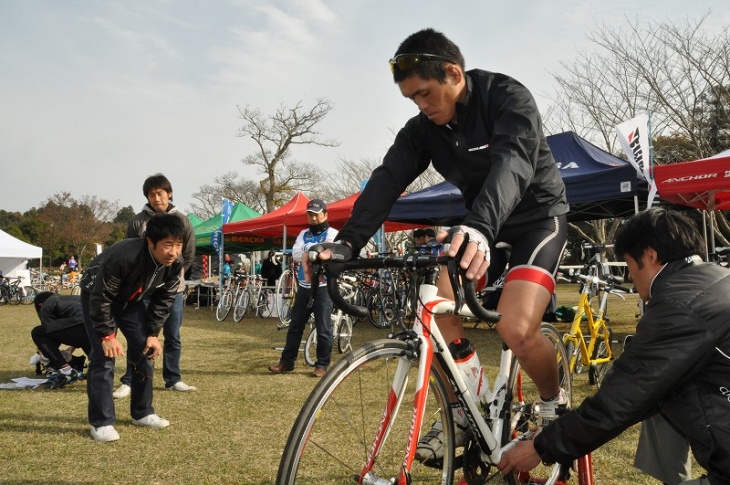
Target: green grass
(232,430)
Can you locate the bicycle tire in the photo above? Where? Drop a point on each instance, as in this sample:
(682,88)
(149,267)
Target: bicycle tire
(285,297)
(333,433)
(241,307)
(76,290)
(310,347)
(28,295)
(344,333)
(264,305)
(573,353)
(523,409)
(15,296)
(224,305)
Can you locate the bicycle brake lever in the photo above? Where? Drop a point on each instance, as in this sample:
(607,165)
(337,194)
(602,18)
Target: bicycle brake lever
(455,272)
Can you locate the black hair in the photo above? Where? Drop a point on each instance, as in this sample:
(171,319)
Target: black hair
(428,41)
(40,299)
(671,234)
(419,233)
(157,181)
(163,225)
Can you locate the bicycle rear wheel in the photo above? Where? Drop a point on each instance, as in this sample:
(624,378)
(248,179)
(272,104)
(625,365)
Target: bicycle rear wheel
(310,347)
(15,296)
(335,430)
(28,295)
(224,305)
(597,372)
(285,292)
(266,296)
(523,415)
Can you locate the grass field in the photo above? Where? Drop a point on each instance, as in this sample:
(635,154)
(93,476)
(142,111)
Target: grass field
(232,430)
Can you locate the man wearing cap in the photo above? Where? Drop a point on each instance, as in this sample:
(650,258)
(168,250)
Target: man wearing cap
(318,232)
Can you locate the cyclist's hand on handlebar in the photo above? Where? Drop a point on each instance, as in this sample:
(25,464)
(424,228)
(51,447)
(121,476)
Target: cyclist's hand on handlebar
(475,260)
(337,251)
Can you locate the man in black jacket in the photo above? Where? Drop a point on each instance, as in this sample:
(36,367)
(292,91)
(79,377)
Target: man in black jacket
(62,323)
(678,363)
(158,191)
(113,291)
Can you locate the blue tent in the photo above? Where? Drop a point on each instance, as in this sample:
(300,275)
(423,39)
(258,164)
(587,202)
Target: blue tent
(598,185)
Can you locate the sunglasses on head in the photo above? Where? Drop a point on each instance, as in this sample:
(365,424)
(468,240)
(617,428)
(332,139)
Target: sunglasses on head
(409,61)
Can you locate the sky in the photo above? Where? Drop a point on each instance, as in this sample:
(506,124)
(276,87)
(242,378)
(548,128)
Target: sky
(97,95)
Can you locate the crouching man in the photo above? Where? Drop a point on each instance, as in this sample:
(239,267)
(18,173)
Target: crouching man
(112,293)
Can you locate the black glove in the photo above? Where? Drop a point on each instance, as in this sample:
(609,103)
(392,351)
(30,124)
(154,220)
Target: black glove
(341,252)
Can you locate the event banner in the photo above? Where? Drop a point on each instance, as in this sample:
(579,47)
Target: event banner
(633,135)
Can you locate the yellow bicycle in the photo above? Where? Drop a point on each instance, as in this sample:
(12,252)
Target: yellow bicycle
(592,349)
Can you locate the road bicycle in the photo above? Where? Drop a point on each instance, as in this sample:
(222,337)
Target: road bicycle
(11,292)
(286,289)
(252,296)
(362,421)
(341,325)
(229,294)
(592,349)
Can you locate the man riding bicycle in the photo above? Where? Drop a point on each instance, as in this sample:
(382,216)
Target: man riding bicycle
(483,133)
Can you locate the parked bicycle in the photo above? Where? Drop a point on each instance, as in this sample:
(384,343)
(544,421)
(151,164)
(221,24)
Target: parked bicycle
(253,296)
(229,293)
(341,324)
(11,292)
(592,349)
(362,422)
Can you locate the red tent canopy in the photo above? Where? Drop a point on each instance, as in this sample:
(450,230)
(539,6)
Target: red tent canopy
(702,184)
(291,215)
(339,212)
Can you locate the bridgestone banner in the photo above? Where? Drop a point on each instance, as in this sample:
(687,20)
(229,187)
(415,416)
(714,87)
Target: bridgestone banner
(633,135)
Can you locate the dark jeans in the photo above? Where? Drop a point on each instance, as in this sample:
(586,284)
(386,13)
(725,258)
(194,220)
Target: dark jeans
(49,342)
(172,346)
(322,309)
(130,320)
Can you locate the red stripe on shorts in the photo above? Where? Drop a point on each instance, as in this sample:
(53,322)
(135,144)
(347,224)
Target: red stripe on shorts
(534,274)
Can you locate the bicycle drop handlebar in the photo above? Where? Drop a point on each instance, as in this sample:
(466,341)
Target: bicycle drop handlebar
(463,294)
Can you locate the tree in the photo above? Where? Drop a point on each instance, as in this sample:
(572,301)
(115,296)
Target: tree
(679,73)
(274,136)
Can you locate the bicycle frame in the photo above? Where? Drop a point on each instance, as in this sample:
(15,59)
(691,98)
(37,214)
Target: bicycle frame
(595,322)
(430,343)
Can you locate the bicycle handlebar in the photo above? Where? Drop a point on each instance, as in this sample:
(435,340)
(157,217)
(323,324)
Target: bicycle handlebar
(464,293)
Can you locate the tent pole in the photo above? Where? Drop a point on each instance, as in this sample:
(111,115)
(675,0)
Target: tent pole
(704,231)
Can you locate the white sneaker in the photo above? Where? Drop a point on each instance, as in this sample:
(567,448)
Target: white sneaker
(122,392)
(550,410)
(104,433)
(431,446)
(152,421)
(181,387)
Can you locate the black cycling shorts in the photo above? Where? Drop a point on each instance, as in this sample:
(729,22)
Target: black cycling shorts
(531,251)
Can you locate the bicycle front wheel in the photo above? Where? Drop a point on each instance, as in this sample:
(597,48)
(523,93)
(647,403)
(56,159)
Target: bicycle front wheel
(28,295)
(523,411)
(344,333)
(285,292)
(335,431)
(241,306)
(310,347)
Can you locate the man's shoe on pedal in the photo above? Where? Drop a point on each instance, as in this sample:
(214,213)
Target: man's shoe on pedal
(431,446)
(552,408)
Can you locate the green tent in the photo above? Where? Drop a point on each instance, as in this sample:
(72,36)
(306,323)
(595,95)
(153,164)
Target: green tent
(194,220)
(204,231)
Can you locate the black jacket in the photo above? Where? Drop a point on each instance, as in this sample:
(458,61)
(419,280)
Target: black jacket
(678,364)
(137,225)
(127,272)
(496,155)
(61,312)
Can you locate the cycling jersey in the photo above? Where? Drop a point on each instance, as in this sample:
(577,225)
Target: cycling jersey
(496,154)
(305,240)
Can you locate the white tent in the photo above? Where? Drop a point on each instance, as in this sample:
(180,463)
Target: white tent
(14,256)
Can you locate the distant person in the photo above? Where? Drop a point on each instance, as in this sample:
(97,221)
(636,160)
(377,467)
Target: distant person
(158,191)
(71,263)
(113,293)
(678,362)
(319,231)
(271,269)
(62,323)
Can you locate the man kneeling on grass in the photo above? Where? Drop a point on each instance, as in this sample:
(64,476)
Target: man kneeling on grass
(113,291)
